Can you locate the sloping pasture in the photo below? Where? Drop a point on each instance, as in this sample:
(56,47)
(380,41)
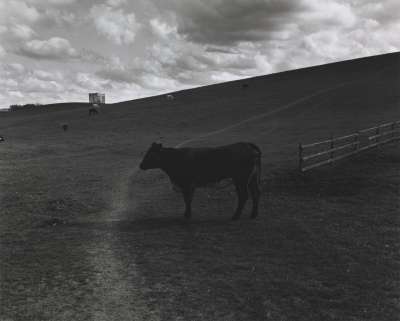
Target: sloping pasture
(85,236)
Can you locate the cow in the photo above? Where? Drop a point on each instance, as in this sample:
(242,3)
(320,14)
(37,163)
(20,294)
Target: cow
(170,97)
(189,168)
(64,127)
(2,139)
(93,111)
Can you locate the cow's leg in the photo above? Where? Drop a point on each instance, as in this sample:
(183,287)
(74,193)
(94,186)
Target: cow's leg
(243,195)
(255,193)
(188,196)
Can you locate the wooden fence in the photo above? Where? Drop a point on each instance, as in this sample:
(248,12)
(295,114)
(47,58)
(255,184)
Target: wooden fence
(334,149)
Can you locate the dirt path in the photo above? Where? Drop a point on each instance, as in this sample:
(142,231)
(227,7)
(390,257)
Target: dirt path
(277,110)
(260,116)
(119,282)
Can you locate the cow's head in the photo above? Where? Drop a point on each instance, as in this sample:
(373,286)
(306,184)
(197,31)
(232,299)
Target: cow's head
(152,159)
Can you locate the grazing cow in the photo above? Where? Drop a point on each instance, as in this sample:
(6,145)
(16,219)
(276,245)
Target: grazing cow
(93,111)
(189,168)
(64,127)
(170,97)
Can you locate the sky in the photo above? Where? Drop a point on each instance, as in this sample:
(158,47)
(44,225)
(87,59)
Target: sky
(60,50)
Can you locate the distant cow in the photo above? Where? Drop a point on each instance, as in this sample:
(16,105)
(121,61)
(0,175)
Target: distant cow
(93,111)
(245,86)
(170,97)
(64,127)
(2,139)
(189,168)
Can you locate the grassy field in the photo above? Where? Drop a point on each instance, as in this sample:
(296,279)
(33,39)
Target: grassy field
(84,235)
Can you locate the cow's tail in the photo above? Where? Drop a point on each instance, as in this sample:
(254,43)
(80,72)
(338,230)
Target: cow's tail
(255,173)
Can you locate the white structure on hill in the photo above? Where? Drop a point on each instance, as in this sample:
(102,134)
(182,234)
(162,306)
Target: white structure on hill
(97,98)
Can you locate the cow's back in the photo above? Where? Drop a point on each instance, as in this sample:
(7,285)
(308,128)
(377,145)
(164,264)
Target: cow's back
(209,165)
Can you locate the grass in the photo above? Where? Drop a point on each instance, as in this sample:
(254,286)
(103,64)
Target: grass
(324,248)
(325,245)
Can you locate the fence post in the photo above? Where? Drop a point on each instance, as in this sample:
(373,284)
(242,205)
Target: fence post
(300,157)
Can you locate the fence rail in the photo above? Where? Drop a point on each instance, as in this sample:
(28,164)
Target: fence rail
(331,150)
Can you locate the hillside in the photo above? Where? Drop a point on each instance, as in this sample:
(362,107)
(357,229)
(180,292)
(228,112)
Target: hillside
(85,236)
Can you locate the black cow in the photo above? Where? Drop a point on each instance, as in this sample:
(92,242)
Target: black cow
(93,111)
(189,168)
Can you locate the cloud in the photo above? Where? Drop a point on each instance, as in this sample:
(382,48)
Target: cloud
(218,39)
(90,82)
(327,13)
(15,11)
(190,63)
(229,22)
(91,56)
(26,85)
(117,74)
(22,31)
(115,25)
(232,21)
(53,2)
(161,29)
(115,3)
(384,12)
(2,51)
(33,84)
(16,19)
(56,17)
(145,74)
(55,48)
(47,76)
(13,68)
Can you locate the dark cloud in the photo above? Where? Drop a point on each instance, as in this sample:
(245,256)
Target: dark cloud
(118,75)
(232,21)
(224,50)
